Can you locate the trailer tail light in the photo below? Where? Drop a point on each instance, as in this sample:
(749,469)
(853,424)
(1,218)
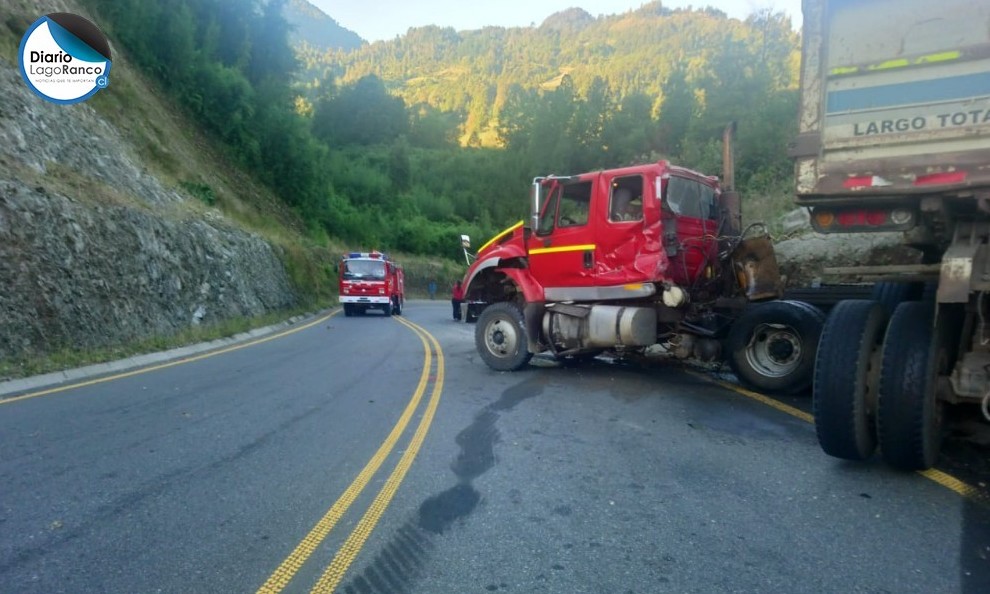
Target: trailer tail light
(845,220)
(941,179)
(865,181)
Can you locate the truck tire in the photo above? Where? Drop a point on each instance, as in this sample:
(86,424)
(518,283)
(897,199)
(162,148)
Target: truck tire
(387,309)
(397,306)
(348,310)
(500,337)
(772,345)
(844,402)
(909,416)
(890,295)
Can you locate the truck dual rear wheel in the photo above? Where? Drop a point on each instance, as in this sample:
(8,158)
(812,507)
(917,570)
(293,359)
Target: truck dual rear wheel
(844,394)
(500,337)
(909,415)
(772,345)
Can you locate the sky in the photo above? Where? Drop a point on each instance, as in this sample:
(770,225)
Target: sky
(376,20)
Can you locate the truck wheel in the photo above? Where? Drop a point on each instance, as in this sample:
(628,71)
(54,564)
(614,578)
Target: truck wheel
(772,345)
(348,310)
(844,402)
(387,309)
(500,337)
(397,307)
(890,295)
(909,415)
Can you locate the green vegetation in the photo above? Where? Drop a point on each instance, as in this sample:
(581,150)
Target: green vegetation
(406,144)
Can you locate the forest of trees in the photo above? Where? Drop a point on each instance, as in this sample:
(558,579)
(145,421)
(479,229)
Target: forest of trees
(406,144)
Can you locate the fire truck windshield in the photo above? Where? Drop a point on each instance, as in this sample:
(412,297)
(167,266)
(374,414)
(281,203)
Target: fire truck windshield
(364,269)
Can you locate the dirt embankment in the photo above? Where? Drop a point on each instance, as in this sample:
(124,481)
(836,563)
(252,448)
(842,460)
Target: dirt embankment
(803,258)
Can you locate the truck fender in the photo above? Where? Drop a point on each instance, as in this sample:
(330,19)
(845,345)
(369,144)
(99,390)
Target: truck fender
(530,289)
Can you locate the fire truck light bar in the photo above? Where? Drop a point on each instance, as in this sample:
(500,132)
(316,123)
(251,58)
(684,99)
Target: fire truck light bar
(375,254)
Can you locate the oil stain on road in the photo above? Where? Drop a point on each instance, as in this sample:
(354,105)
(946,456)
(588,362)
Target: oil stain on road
(400,562)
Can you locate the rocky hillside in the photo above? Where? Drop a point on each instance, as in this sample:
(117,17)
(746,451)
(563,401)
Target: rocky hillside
(95,250)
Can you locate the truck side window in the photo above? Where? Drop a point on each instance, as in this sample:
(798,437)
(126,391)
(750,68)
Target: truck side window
(567,206)
(626,202)
(575,203)
(689,198)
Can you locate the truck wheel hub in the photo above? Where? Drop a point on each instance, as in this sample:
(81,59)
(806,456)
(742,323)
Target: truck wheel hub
(774,351)
(781,349)
(501,338)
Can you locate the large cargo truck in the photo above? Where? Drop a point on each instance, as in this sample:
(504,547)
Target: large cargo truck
(894,135)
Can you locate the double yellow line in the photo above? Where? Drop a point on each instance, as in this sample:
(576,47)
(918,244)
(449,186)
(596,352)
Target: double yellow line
(334,573)
(352,546)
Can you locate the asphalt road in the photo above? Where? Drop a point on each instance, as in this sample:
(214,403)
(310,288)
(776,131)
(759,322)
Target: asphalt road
(373,455)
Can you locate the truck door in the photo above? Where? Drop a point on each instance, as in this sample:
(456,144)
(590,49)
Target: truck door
(628,239)
(561,253)
(689,213)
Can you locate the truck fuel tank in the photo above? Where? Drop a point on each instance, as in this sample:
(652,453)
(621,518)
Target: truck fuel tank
(570,326)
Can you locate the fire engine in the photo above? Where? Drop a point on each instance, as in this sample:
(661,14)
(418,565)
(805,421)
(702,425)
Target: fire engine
(649,258)
(370,280)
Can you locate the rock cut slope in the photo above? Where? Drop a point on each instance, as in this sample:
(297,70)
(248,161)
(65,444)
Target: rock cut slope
(95,250)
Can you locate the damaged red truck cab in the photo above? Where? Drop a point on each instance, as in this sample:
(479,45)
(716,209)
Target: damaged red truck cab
(626,259)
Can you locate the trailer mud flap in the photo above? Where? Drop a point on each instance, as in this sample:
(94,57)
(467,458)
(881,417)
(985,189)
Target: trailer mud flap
(756,268)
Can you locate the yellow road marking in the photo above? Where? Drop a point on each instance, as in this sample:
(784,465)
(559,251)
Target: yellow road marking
(166,365)
(352,546)
(284,573)
(794,412)
(946,480)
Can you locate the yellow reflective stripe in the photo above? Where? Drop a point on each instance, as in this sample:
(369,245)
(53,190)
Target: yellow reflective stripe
(898,63)
(563,248)
(500,236)
(939,57)
(844,70)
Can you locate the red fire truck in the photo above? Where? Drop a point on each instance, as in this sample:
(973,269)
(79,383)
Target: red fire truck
(370,280)
(645,257)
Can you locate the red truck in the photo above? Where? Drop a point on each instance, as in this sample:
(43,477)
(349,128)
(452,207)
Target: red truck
(370,280)
(645,257)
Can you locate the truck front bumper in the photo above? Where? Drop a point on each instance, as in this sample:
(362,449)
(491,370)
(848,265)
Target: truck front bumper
(365,300)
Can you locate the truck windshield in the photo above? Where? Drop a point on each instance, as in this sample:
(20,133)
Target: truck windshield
(364,269)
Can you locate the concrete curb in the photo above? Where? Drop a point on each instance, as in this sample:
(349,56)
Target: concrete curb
(30,384)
